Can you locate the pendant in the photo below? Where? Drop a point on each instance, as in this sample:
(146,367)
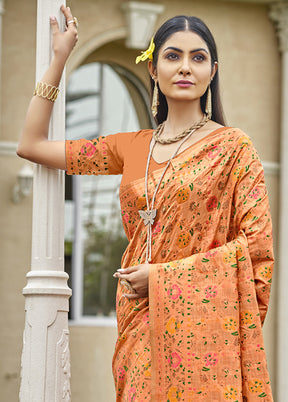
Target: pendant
(148,216)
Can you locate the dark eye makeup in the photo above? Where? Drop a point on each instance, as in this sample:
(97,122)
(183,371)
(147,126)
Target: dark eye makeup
(175,56)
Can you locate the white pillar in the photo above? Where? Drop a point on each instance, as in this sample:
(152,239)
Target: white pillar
(1,16)
(45,372)
(279,14)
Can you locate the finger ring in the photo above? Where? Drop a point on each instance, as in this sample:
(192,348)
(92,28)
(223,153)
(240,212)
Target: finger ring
(127,285)
(74,21)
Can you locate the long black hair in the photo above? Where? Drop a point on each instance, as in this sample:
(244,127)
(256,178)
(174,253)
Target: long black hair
(193,24)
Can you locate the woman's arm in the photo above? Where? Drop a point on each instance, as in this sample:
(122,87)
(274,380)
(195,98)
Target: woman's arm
(34,144)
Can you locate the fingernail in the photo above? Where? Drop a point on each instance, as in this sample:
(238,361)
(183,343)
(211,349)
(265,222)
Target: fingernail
(52,18)
(120,270)
(115,275)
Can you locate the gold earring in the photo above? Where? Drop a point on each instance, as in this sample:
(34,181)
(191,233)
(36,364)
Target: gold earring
(155,99)
(208,108)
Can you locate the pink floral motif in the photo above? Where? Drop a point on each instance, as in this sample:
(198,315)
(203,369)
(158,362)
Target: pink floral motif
(215,151)
(89,149)
(210,359)
(121,373)
(125,217)
(211,253)
(175,360)
(156,229)
(210,291)
(255,193)
(132,394)
(174,292)
(146,319)
(211,203)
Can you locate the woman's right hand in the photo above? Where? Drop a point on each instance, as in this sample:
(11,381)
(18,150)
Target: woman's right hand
(63,43)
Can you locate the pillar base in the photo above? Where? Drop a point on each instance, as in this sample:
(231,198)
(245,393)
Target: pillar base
(45,365)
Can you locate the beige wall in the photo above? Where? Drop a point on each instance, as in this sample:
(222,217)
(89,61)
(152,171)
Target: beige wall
(250,76)
(92,350)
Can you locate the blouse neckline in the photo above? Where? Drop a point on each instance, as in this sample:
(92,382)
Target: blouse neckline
(214,132)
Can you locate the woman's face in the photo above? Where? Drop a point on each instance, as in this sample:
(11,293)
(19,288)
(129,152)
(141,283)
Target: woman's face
(184,68)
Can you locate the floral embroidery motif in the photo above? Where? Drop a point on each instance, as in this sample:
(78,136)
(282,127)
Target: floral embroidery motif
(175,360)
(255,386)
(183,240)
(210,359)
(182,195)
(266,272)
(210,292)
(246,317)
(211,203)
(230,393)
(172,326)
(174,394)
(174,292)
(230,324)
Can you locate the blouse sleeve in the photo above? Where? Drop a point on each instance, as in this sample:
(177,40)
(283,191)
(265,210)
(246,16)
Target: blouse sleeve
(100,156)
(252,215)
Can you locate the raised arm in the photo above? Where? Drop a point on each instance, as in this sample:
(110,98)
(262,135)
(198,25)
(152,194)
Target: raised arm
(34,144)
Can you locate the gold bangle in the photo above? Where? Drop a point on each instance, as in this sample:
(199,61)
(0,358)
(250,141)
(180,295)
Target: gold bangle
(46,91)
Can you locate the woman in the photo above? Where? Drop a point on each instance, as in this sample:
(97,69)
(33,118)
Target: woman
(195,279)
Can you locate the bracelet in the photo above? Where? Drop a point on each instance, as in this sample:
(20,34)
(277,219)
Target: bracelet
(46,91)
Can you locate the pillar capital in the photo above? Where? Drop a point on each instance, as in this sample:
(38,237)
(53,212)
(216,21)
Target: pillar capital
(279,15)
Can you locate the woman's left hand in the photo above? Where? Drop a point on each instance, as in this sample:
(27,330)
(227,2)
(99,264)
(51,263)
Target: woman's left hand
(138,277)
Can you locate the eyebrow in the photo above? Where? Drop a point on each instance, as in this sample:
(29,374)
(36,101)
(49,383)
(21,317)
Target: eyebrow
(181,51)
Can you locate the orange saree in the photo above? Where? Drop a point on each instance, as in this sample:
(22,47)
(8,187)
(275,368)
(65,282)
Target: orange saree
(198,336)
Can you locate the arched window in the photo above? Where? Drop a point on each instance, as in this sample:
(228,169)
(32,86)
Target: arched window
(101,99)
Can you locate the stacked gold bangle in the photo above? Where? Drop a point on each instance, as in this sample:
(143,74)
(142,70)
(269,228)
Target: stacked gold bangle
(46,91)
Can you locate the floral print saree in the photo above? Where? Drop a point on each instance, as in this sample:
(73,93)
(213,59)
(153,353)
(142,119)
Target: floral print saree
(198,336)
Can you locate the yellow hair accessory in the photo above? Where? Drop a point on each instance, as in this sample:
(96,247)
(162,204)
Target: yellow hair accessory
(148,54)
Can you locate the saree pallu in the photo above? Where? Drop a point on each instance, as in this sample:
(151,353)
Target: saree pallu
(205,329)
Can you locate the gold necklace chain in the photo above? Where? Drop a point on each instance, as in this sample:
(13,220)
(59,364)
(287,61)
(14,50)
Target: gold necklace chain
(157,133)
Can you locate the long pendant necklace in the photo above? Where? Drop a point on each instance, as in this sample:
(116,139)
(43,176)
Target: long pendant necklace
(150,213)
